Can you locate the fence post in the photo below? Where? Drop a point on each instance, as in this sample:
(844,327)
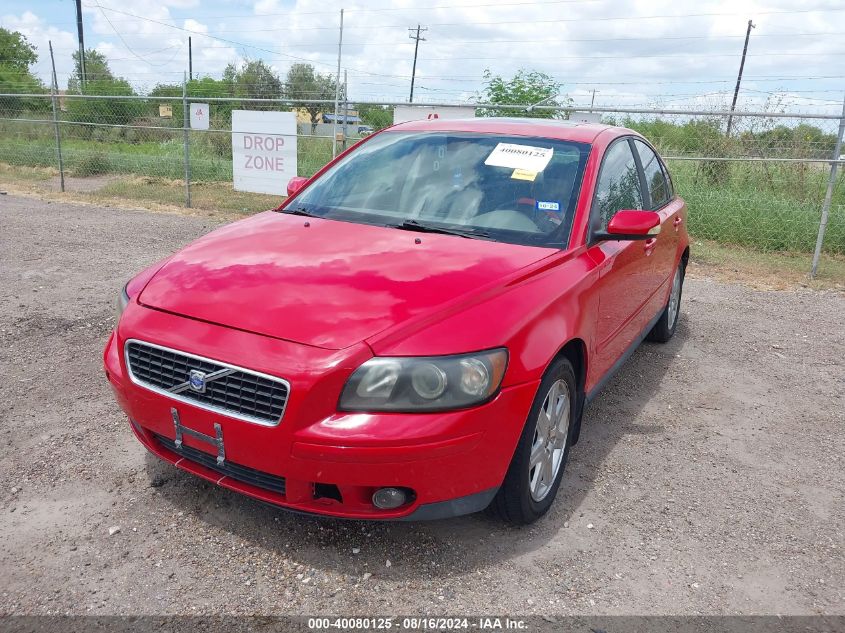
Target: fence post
(828,196)
(186,122)
(54,88)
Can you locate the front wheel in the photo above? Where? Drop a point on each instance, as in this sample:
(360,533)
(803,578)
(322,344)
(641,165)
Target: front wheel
(536,469)
(664,329)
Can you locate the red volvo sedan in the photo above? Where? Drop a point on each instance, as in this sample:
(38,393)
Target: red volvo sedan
(415,332)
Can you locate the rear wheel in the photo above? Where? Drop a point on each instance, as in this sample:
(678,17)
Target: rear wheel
(536,469)
(664,329)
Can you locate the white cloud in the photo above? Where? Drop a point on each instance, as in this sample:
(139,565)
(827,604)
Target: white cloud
(39,33)
(628,61)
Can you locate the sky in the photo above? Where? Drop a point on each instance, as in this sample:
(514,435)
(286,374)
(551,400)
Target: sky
(671,54)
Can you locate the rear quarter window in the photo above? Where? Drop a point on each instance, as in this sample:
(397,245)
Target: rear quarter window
(655,176)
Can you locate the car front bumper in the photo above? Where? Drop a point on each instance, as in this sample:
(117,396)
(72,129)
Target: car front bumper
(452,462)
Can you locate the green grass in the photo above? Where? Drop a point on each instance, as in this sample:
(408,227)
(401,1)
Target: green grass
(780,270)
(764,206)
(212,196)
(34,146)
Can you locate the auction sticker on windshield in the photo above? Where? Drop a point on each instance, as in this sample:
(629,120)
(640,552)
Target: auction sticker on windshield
(525,157)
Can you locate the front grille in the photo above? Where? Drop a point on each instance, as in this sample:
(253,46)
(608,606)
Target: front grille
(248,475)
(234,391)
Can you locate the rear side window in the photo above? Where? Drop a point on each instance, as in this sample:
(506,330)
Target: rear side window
(655,178)
(618,187)
(669,185)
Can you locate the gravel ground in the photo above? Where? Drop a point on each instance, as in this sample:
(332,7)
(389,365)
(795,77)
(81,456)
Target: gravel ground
(709,476)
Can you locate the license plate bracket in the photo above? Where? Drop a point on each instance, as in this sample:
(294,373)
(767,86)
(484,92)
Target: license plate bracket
(216,441)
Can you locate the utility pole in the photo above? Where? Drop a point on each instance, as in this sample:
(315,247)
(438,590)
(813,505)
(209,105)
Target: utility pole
(337,87)
(81,44)
(186,123)
(345,108)
(739,76)
(190,61)
(416,50)
(593,100)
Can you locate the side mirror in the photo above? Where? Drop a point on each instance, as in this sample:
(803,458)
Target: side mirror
(632,225)
(295,184)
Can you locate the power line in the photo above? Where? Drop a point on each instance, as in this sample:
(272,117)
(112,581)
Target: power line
(661,56)
(500,22)
(129,48)
(381,43)
(244,44)
(321,44)
(494,5)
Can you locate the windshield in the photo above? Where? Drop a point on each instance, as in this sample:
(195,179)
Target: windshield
(516,189)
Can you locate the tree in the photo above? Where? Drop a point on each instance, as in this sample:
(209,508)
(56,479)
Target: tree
(197,90)
(105,111)
(16,57)
(801,141)
(96,69)
(15,51)
(99,80)
(253,78)
(525,88)
(376,116)
(304,83)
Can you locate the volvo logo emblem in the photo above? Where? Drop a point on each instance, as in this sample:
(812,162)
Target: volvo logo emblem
(196,379)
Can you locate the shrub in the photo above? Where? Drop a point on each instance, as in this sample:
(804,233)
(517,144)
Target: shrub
(91,164)
(219,144)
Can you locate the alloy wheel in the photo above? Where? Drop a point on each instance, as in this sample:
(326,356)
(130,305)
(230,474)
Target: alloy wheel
(674,299)
(549,442)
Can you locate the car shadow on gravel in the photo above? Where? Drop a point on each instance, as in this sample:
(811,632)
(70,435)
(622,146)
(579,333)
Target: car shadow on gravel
(437,548)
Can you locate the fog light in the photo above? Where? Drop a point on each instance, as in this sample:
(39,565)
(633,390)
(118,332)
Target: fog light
(389,498)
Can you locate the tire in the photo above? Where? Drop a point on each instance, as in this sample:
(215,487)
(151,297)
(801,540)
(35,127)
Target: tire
(664,329)
(526,493)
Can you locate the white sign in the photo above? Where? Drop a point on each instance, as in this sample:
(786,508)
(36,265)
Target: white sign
(199,116)
(263,150)
(401,114)
(526,157)
(585,117)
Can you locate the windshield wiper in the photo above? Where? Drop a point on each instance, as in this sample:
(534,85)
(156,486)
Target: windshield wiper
(421,227)
(301,211)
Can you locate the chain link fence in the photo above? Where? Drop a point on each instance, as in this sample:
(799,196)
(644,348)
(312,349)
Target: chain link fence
(763,187)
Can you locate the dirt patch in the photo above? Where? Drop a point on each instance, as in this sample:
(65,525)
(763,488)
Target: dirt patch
(710,470)
(76,184)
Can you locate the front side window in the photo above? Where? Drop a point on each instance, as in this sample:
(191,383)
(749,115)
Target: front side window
(516,189)
(618,187)
(655,179)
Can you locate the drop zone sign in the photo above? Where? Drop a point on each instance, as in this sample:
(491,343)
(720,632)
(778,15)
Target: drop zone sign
(263,150)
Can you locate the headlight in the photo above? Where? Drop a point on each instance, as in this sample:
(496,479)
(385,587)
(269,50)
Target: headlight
(122,302)
(426,383)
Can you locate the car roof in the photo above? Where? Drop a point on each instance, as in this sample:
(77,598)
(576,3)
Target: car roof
(545,128)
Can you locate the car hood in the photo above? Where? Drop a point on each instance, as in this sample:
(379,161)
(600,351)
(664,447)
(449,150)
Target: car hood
(325,283)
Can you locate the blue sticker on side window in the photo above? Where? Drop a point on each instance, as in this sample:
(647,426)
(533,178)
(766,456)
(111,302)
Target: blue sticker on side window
(548,205)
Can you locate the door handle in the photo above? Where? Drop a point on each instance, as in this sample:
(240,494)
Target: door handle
(649,244)
(677,222)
